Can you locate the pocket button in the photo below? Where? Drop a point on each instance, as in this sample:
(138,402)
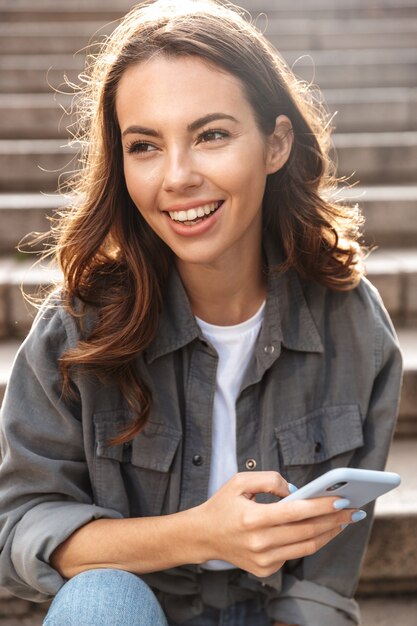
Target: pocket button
(250,464)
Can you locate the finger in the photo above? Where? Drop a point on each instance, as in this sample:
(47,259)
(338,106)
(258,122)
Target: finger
(306,547)
(297,510)
(306,529)
(246,483)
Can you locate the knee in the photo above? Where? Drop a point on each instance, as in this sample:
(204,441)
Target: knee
(105,597)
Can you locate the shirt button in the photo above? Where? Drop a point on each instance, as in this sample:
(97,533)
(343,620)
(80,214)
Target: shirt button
(198,460)
(269,349)
(250,464)
(317,447)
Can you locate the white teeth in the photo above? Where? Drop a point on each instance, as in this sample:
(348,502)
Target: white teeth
(192,214)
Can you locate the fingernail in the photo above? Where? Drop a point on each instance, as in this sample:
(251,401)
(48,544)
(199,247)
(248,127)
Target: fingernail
(292,488)
(357,516)
(343,503)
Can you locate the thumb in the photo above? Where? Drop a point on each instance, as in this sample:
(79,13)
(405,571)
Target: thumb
(249,484)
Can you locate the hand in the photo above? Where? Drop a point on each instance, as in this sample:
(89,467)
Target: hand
(259,538)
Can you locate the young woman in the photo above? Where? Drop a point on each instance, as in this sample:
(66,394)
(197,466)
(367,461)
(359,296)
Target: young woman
(213,338)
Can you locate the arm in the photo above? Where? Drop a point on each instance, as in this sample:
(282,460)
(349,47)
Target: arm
(255,537)
(45,492)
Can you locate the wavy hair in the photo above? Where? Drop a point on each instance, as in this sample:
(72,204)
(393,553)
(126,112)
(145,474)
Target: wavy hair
(111,259)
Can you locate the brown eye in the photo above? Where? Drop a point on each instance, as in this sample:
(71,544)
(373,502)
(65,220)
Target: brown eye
(213,135)
(140,147)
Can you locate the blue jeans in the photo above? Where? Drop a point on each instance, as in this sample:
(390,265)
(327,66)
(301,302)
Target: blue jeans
(106,597)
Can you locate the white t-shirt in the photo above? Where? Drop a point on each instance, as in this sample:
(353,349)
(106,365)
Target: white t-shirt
(235,346)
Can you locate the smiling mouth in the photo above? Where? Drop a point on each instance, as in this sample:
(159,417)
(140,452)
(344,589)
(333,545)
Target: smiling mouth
(196,215)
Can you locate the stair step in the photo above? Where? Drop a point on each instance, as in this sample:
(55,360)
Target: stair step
(386,611)
(373,109)
(391,561)
(23,38)
(34,115)
(313,9)
(289,34)
(327,34)
(374,158)
(355,68)
(39,72)
(394,274)
(48,10)
(25,213)
(390,213)
(32,164)
(361,68)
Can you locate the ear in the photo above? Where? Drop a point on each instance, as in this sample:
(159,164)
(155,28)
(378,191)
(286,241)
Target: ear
(279,144)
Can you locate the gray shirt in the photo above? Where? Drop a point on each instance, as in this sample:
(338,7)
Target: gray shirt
(321,391)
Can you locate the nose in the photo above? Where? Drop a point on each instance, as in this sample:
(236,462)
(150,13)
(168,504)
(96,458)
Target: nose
(181,171)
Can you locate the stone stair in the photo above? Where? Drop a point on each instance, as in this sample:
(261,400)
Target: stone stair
(363,54)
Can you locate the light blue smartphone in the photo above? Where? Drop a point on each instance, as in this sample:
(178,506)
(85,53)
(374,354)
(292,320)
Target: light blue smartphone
(359,486)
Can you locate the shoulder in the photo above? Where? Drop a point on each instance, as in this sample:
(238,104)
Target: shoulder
(356,319)
(55,328)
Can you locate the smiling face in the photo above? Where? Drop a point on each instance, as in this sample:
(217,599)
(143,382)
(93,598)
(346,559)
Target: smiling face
(195,161)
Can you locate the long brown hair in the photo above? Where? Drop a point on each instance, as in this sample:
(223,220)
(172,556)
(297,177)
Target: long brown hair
(111,259)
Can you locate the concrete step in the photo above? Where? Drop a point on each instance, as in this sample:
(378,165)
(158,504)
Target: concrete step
(286,34)
(27,165)
(332,34)
(35,115)
(386,611)
(332,69)
(391,561)
(394,273)
(56,38)
(390,212)
(332,8)
(372,109)
(361,68)
(48,10)
(47,115)
(21,214)
(39,72)
(377,158)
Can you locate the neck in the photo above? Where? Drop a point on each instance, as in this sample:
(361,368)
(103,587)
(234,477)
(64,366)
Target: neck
(225,294)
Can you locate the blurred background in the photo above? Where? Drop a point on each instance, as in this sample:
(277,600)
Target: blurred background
(363,55)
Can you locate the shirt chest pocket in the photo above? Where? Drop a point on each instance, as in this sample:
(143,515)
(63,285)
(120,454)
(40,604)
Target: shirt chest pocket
(133,477)
(319,441)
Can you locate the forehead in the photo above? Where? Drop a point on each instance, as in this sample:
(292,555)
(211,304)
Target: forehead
(177,86)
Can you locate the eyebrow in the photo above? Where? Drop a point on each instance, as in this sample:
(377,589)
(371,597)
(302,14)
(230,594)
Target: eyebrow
(193,126)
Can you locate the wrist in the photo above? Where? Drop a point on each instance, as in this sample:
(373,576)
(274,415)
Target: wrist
(196,535)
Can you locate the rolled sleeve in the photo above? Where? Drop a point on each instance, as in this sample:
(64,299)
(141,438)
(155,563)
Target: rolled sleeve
(40,531)
(307,604)
(45,488)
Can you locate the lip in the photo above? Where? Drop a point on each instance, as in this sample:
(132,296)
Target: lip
(200,228)
(190,205)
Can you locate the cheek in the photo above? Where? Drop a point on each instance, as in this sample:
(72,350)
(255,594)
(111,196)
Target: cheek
(140,186)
